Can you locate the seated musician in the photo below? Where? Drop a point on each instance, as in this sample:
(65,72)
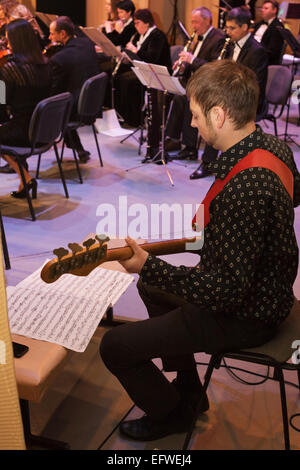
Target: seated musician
(150,45)
(27,79)
(123,29)
(206,49)
(71,67)
(241,291)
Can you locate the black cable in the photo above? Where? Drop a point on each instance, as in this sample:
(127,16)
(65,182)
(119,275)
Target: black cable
(265,378)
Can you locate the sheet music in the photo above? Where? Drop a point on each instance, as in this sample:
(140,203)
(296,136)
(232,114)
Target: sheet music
(102,41)
(158,77)
(66,312)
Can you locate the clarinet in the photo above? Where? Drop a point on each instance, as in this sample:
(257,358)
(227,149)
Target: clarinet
(224,50)
(186,49)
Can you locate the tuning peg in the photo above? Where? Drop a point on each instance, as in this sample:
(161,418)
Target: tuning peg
(60,252)
(74,247)
(88,243)
(102,239)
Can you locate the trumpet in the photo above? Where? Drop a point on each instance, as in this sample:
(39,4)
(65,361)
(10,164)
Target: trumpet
(224,50)
(185,49)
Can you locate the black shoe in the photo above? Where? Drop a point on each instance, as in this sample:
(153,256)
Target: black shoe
(147,429)
(159,160)
(151,153)
(188,153)
(201,172)
(172,145)
(6,169)
(84,156)
(32,185)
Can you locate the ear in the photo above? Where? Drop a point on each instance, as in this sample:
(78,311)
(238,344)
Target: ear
(218,116)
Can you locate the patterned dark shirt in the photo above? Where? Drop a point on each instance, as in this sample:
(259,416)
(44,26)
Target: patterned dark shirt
(249,259)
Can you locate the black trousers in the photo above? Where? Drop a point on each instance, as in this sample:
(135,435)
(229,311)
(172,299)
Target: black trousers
(179,122)
(174,332)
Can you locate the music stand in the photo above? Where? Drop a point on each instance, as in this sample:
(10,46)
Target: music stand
(113,127)
(158,78)
(295,47)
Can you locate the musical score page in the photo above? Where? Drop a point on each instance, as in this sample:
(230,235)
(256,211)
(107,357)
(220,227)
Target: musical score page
(66,312)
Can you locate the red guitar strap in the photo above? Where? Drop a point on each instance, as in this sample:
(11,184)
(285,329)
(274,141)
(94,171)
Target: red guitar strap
(257,158)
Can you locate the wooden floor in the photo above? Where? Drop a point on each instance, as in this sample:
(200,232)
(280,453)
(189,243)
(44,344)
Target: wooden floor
(86,402)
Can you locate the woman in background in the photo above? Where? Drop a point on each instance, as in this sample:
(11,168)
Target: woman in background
(27,79)
(150,45)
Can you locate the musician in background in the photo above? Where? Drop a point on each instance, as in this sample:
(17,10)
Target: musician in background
(149,44)
(247,51)
(267,34)
(27,78)
(71,67)
(11,10)
(240,292)
(123,29)
(206,49)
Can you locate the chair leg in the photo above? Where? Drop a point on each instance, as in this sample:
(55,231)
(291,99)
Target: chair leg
(26,189)
(97,144)
(37,173)
(285,421)
(77,166)
(31,439)
(75,156)
(214,361)
(4,244)
(61,171)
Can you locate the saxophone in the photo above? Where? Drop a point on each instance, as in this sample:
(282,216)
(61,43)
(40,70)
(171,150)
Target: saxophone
(224,50)
(185,49)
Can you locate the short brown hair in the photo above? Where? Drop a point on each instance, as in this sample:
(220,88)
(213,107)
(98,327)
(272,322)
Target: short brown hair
(64,23)
(145,16)
(227,84)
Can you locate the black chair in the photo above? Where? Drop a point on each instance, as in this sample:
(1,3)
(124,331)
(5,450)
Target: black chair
(4,244)
(47,126)
(276,354)
(89,107)
(277,92)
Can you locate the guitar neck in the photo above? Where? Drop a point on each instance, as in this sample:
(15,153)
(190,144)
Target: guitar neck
(85,261)
(156,248)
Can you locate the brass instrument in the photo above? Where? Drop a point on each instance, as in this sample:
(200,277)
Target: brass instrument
(224,50)
(185,49)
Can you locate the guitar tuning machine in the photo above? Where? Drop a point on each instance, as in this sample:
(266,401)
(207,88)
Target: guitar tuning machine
(75,248)
(102,239)
(88,243)
(60,253)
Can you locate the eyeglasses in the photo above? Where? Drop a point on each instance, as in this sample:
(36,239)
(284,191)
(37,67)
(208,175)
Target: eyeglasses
(231,28)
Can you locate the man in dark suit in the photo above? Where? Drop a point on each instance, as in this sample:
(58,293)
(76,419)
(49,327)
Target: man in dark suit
(71,67)
(247,51)
(207,48)
(267,34)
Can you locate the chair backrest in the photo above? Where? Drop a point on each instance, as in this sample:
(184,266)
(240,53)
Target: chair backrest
(49,119)
(91,96)
(175,51)
(278,84)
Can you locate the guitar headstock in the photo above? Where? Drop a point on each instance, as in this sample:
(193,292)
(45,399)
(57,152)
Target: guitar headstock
(79,260)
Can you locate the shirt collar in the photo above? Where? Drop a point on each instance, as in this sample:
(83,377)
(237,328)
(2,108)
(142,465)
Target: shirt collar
(243,41)
(128,22)
(207,33)
(227,160)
